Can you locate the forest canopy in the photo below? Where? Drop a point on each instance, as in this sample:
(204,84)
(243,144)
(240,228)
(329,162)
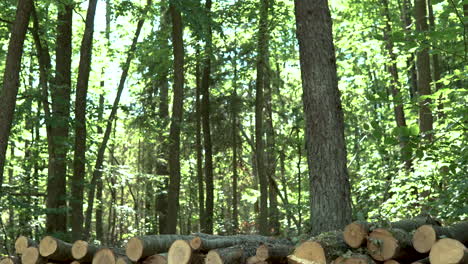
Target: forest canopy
(121,118)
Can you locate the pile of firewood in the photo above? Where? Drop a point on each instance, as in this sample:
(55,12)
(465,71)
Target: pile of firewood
(415,241)
(419,240)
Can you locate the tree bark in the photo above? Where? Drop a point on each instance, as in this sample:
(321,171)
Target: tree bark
(326,150)
(97,173)
(262,50)
(176,120)
(424,72)
(79,162)
(11,76)
(436,70)
(235,175)
(201,191)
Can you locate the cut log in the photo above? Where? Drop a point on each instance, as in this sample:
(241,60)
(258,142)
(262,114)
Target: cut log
(145,246)
(321,249)
(22,243)
(253,260)
(180,252)
(10,260)
(225,256)
(55,249)
(83,251)
(391,261)
(354,259)
(107,256)
(75,262)
(410,225)
(385,244)
(123,260)
(155,259)
(273,252)
(355,234)
(426,236)
(422,261)
(31,256)
(206,243)
(448,251)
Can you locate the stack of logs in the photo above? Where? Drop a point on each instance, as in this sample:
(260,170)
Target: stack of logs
(416,241)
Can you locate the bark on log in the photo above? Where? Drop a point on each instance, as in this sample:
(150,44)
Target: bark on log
(31,256)
(448,251)
(422,261)
(83,251)
(322,249)
(355,234)
(410,225)
(55,249)
(273,252)
(10,260)
(156,259)
(22,243)
(145,246)
(426,236)
(108,256)
(385,244)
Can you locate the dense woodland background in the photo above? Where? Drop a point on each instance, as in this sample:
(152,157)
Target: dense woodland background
(222,79)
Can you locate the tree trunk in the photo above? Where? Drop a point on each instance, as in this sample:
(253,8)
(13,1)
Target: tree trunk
(99,185)
(11,76)
(176,120)
(235,175)
(79,162)
(424,72)
(97,173)
(436,71)
(407,24)
(262,50)
(326,149)
(205,112)
(201,194)
(395,84)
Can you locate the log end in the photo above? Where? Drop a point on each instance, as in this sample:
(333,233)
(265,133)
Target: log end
(308,252)
(262,252)
(392,261)
(79,249)
(123,260)
(213,258)
(196,243)
(7,260)
(355,234)
(447,251)
(134,249)
(424,238)
(155,259)
(179,252)
(21,244)
(30,256)
(104,256)
(48,246)
(382,245)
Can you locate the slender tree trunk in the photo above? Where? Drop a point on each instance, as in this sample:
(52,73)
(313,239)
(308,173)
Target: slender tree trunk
(79,161)
(259,105)
(235,176)
(97,172)
(201,192)
(11,76)
(176,120)
(99,185)
(436,71)
(326,149)
(410,63)
(299,185)
(285,186)
(424,72)
(205,112)
(395,84)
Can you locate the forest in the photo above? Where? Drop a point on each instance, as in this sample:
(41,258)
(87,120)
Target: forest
(231,120)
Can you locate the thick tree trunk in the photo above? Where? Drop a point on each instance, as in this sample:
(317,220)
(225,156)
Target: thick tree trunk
(79,162)
(326,149)
(205,111)
(97,173)
(176,120)
(262,50)
(11,76)
(424,72)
